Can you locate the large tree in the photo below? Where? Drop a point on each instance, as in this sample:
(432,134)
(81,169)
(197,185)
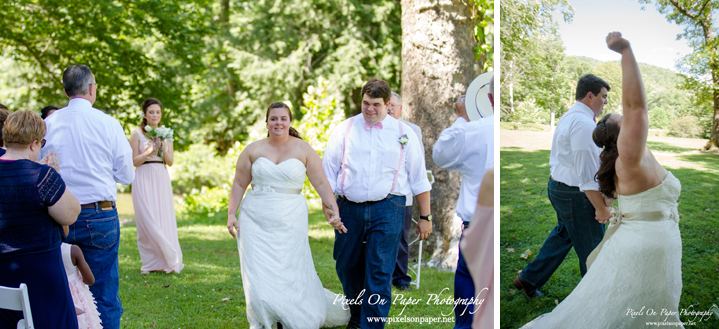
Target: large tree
(438,64)
(700,32)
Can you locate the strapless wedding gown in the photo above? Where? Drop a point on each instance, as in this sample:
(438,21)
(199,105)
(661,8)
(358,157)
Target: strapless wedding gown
(636,277)
(278,274)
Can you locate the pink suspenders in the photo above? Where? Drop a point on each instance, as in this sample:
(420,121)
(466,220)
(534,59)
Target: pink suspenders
(344,154)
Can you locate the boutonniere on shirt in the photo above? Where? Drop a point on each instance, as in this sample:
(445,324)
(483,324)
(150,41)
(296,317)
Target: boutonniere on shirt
(403,140)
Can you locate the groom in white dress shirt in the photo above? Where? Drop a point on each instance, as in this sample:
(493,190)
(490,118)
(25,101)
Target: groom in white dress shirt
(94,154)
(372,161)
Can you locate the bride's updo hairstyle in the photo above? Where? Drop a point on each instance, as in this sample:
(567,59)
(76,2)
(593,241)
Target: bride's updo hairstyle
(605,135)
(144,106)
(281,105)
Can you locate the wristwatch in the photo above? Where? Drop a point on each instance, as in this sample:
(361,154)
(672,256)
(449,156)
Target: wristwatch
(427,218)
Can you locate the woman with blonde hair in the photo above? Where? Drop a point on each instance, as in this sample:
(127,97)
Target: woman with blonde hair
(34,204)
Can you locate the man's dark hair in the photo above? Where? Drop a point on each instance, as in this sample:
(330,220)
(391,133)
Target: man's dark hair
(377,88)
(76,80)
(46,110)
(590,83)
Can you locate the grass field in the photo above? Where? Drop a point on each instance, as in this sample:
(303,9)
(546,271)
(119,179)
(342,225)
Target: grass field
(527,217)
(208,293)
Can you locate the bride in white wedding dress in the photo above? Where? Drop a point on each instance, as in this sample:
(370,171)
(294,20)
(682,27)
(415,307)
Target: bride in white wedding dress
(634,277)
(278,275)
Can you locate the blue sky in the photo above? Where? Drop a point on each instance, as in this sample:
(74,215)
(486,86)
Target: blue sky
(653,38)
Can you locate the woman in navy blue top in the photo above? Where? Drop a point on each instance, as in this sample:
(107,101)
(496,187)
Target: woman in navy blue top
(34,204)
(3,115)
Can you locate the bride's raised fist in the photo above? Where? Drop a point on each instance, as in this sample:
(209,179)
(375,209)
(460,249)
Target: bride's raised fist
(616,42)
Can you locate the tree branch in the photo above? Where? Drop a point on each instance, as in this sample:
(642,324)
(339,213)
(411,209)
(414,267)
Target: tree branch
(37,58)
(684,11)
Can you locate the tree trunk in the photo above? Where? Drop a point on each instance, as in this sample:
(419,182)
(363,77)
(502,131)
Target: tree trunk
(438,64)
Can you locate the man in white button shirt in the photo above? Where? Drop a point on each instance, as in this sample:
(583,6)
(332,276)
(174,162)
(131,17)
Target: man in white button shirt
(94,154)
(572,189)
(400,279)
(372,161)
(467,147)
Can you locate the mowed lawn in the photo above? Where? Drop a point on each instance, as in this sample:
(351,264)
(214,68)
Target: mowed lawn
(208,293)
(527,217)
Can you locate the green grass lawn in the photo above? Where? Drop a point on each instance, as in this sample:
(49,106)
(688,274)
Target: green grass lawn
(208,293)
(527,217)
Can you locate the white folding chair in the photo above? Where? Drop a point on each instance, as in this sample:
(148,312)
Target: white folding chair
(16,299)
(418,272)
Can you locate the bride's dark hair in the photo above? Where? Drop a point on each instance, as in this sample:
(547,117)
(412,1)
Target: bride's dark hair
(281,105)
(605,135)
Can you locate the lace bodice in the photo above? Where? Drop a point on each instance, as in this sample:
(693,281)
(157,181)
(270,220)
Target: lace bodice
(661,197)
(287,174)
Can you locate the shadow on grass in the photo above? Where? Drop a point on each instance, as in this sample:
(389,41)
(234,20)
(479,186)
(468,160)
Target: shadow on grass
(527,217)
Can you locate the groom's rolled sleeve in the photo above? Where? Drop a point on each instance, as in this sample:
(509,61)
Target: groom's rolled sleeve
(586,166)
(416,172)
(586,156)
(332,156)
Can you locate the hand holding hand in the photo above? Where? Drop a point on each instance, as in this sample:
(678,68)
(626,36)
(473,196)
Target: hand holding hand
(424,229)
(233,224)
(334,219)
(603,215)
(51,160)
(616,43)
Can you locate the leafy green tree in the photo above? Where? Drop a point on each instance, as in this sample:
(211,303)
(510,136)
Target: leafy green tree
(532,55)
(698,21)
(274,50)
(136,49)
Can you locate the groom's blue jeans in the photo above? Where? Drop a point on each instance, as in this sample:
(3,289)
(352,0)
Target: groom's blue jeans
(97,233)
(576,227)
(366,255)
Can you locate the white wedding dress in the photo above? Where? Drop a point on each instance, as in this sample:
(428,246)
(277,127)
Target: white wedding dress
(278,274)
(637,271)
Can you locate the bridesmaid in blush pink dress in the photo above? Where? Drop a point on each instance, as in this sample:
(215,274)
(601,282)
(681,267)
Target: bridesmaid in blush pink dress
(157,239)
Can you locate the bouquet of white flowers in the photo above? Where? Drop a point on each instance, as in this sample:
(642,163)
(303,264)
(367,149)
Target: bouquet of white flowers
(160,133)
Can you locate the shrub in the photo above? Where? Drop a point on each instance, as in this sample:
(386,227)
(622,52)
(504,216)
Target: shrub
(686,127)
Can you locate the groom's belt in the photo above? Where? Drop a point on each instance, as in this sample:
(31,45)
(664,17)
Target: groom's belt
(560,183)
(366,203)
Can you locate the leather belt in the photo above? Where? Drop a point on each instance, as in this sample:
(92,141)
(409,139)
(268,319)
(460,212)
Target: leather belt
(99,204)
(366,203)
(146,162)
(560,183)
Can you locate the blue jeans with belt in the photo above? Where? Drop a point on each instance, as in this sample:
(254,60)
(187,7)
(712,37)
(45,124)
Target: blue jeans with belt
(366,255)
(576,227)
(97,233)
